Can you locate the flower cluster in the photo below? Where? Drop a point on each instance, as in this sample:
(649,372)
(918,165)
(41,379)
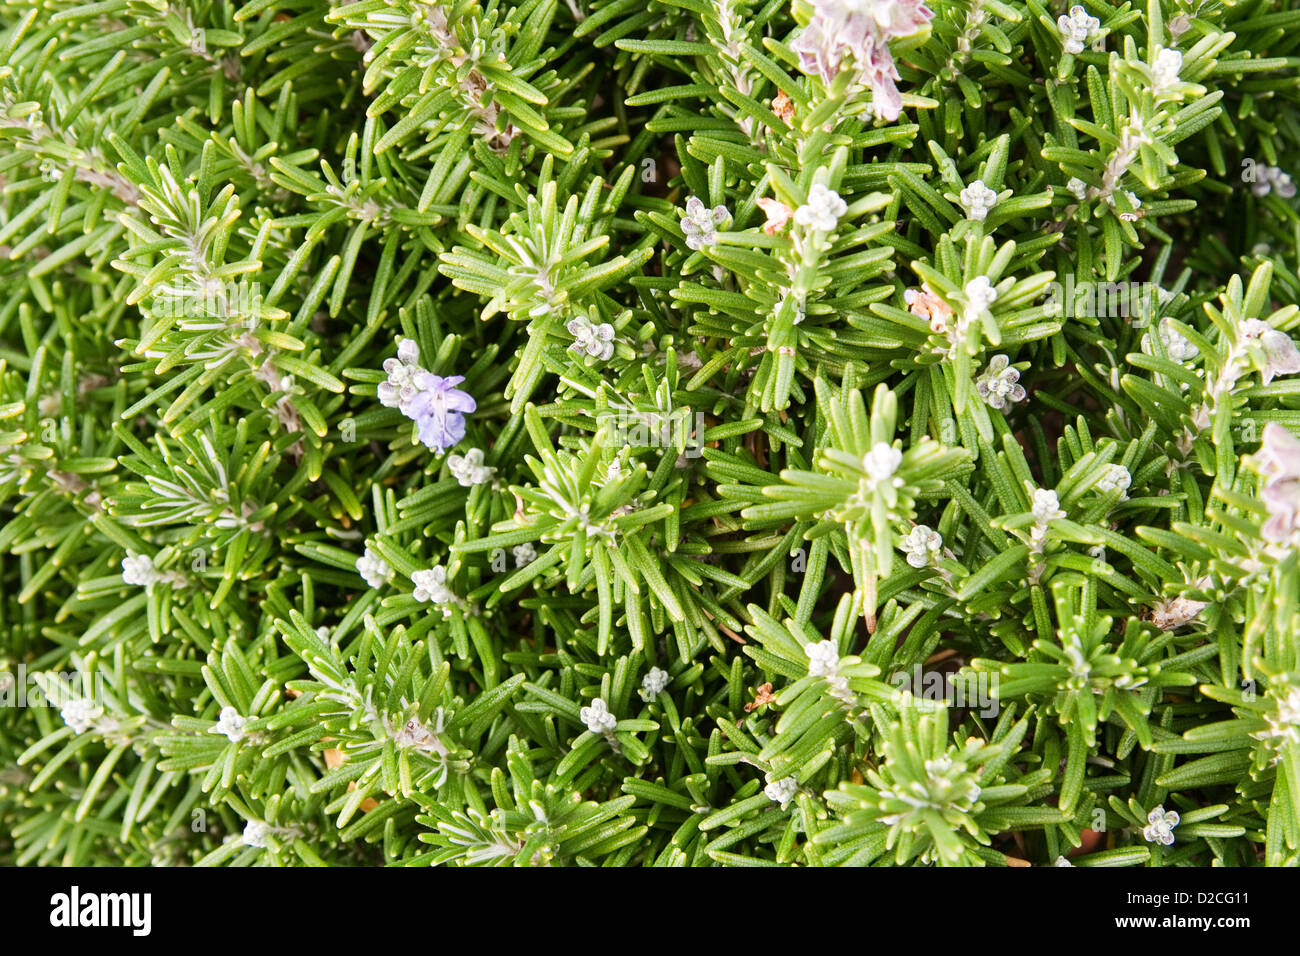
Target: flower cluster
(374,569)
(1160,826)
(823,209)
(469,469)
(922,546)
(700,224)
(858,32)
(434,403)
(1278,462)
(1078,29)
(598,718)
(232,724)
(1116,478)
(595,340)
(1000,383)
(654,683)
(1276,352)
(83,714)
(1268,179)
(978,200)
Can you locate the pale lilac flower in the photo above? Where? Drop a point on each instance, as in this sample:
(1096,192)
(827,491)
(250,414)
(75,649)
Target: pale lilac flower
(431,585)
(1000,383)
(1278,350)
(881,74)
(700,223)
(403,377)
(977,200)
(374,569)
(1279,453)
(231,723)
(921,545)
(855,34)
(1272,178)
(823,209)
(881,462)
(439,410)
(596,341)
(1160,826)
(781,791)
(468,469)
(1269,178)
(823,658)
(654,683)
(1077,29)
(1278,462)
(598,718)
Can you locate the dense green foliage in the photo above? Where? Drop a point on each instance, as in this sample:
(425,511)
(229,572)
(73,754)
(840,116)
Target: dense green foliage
(847,481)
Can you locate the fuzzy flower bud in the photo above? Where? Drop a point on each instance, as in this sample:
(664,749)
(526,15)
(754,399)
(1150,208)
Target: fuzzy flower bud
(1116,478)
(700,223)
(977,200)
(81,714)
(591,339)
(1046,506)
(374,569)
(231,723)
(1164,72)
(781,791)
(654,683)
(468,469)
(598,718)
(256,833)
(1077,28)
(921,545)
(980,294)
(823,209)
(431,585)
(823,658)
(138,569)
(881,462)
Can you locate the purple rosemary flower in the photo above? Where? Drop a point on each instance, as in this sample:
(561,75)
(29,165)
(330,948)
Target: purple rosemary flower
(439,409)
(860,30)
(1278,462)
